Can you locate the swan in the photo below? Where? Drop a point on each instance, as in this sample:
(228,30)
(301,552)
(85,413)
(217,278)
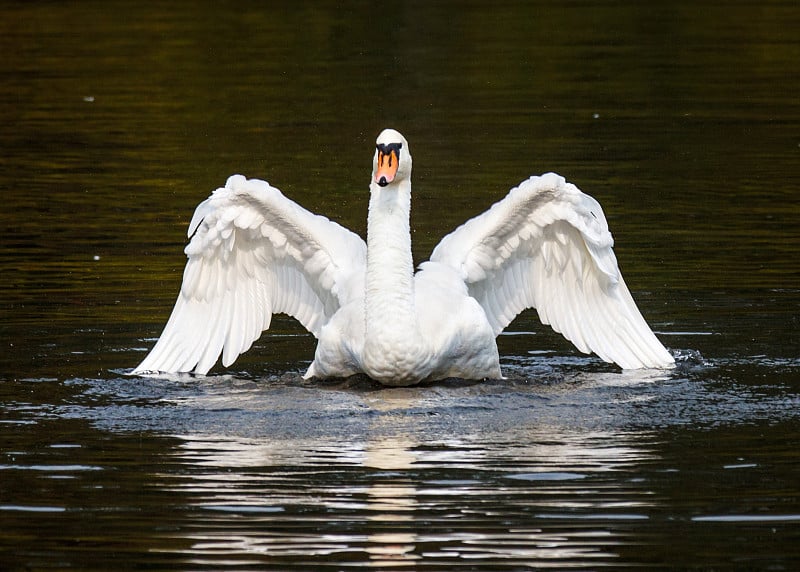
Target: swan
(253,253)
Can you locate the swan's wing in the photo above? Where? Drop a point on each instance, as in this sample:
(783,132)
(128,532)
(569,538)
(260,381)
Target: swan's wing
(253,252)
(546,245)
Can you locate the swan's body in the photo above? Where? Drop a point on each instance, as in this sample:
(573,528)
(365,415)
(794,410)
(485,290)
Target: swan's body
(253,252)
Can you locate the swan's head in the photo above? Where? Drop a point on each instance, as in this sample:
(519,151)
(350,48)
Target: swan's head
(392,162)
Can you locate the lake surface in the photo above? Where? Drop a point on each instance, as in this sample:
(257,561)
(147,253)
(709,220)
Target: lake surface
(682,119)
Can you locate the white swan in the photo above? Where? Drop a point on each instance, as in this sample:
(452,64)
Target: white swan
(253,252)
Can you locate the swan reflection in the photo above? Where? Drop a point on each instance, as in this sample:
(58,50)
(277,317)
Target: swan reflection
(389,499)
(391,502)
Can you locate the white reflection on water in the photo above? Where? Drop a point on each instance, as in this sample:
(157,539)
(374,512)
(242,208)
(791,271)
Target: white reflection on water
(391,501)
(391,498)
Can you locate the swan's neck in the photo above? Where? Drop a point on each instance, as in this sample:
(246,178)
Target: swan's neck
(390,269)
(392,337)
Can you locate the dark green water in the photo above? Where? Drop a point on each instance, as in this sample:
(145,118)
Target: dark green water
(682,119)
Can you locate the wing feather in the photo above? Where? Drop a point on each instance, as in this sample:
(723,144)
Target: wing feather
(546,245)
(253,252)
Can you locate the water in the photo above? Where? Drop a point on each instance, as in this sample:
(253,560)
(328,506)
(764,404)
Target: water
(682,119)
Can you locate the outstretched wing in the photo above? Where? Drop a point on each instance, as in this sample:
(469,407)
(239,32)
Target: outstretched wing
(546,245)
(253,252)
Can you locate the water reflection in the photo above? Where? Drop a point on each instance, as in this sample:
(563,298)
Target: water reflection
(393,499)
(391,502)
(581,468)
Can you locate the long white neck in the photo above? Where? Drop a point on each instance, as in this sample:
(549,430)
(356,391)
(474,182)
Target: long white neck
(390,269)
(392,335)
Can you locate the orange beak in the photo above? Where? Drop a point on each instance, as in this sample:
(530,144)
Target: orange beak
(388,162)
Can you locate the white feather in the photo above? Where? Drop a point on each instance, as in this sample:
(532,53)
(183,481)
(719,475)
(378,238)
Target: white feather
(253,252)
(555,238)
(240,271)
